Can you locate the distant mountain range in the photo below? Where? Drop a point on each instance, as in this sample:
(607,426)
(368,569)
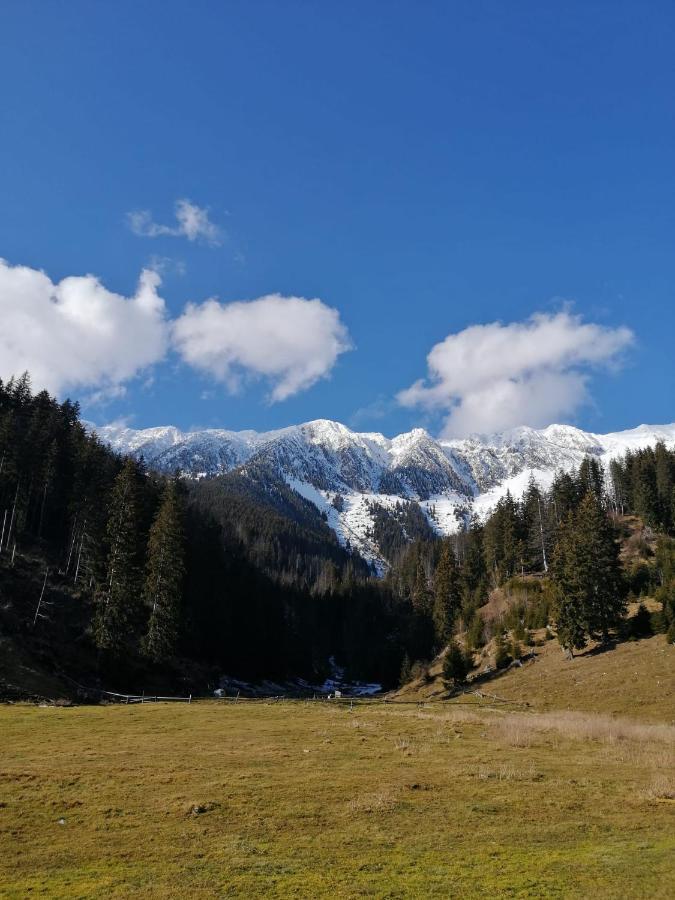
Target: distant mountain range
(345,473)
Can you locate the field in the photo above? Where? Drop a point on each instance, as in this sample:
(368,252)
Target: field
(464,798)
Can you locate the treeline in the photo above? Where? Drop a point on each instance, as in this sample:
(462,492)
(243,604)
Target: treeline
(568,538)
(643,483)
(164,573)
(280,532)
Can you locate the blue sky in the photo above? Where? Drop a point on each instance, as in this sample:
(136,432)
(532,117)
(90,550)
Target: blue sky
(419,168)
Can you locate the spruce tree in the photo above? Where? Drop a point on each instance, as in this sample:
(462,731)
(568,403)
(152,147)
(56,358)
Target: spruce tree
(473,566)
(118,596)
(536,528)
(591,477)
(502,658)
(618,486)
(447,594)
(589,583)
(421,596)
(164,572)
(456,666)
(645,500)
(564,495)
(664,466)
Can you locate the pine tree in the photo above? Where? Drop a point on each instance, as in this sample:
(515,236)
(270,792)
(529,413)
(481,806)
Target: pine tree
(564,495)
(664,466)
(456,666)
(645,500)
(536,528)
(164,577)
(117,597)
(618,486)
(473,564)
(502,658)
(421,596)
(591,477)
(447,595)
(589,584)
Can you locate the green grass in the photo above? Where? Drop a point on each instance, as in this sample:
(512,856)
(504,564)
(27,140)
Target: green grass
(294,799)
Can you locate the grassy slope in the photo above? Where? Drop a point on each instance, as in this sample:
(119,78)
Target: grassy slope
(634,679)
(309,799)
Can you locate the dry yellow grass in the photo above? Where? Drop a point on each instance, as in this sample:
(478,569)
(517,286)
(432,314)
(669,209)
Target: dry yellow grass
(313,800)
(635,679)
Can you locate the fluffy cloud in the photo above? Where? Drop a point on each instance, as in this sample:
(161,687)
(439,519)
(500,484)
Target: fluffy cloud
(289,340)
(495,376)
(78,334)
(193,224)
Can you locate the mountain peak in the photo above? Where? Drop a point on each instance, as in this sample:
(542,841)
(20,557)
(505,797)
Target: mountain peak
(321,458)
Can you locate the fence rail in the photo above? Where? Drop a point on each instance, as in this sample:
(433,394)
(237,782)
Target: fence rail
(144,698)
(123,698)
(462,697)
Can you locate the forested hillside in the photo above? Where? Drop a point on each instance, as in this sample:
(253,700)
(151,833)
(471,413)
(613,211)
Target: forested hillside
(570,558)
(112,574)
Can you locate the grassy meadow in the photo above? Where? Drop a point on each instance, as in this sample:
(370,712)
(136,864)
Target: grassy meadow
(462,798)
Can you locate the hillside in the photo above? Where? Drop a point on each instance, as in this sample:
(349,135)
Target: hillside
(115,575)
(635,679)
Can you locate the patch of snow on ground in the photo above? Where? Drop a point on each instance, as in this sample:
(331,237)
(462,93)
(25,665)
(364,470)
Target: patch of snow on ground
(484,503)
(442,512)
(230,687)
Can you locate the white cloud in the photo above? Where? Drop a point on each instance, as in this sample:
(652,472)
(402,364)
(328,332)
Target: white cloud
(492,377)
(291,341)
(193,224)
(76,333)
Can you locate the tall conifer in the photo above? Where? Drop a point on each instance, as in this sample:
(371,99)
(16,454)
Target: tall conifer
(164,577)
(587,573)
(118,596)
(447,594)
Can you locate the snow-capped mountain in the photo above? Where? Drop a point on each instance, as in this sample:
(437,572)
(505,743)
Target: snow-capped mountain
(322,459)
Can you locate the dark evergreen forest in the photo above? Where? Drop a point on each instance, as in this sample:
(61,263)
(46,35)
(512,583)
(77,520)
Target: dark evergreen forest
(114,574)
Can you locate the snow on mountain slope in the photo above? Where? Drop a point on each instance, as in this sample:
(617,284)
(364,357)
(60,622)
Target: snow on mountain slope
(324,460)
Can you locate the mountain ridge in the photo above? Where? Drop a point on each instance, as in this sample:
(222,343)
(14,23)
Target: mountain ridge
(324,460)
